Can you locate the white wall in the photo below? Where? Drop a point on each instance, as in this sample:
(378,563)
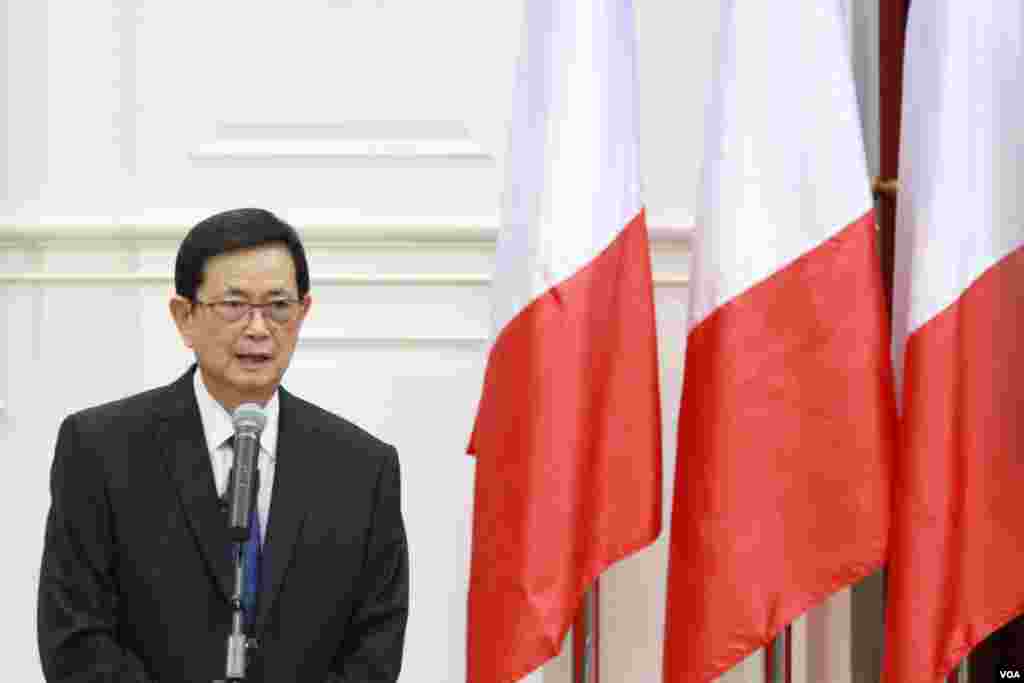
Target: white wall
(378,128)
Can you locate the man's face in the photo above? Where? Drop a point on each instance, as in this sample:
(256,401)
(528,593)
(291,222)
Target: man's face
(242,361)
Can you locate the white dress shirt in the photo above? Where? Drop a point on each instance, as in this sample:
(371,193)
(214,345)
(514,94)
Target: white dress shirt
(218,428)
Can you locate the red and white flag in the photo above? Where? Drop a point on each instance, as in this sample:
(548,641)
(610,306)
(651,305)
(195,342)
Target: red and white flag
(957,560)
(787,422)
(567,435)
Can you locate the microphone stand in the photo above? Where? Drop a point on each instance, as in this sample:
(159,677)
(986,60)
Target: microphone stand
(242,499)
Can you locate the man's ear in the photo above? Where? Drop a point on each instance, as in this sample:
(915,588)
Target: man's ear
(304,305)
(182,313)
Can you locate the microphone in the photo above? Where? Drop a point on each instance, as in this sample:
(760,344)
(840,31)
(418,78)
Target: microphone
(249,420)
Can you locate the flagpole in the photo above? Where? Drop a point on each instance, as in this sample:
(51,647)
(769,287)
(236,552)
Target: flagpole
(778,657)
(585,639)
(962,673)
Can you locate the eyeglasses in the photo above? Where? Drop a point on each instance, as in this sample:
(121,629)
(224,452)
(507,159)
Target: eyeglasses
(279,311)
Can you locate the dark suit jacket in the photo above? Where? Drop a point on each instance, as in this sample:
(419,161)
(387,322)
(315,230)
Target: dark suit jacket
(137,568)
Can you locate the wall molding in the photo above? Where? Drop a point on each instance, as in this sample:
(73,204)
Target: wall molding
(383,231)
(334,279)
(384,234)
(127,17)
(366,140)
(225,150)
(328,337)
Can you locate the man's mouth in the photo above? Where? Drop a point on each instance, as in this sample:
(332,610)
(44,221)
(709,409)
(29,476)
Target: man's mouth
(253,358)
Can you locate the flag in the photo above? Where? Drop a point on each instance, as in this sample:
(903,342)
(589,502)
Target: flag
(958,317)
(567,435)
(787,420)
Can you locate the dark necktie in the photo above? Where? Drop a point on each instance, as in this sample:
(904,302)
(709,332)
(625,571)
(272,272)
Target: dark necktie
(253,557)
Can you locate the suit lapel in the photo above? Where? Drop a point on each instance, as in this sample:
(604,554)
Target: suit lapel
(188,464)
(294,482)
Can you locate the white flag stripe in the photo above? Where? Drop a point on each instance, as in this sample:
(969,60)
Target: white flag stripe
(959,209)
(783,204)
(572,174)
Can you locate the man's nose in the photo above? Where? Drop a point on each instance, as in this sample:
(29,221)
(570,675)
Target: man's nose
(256,324)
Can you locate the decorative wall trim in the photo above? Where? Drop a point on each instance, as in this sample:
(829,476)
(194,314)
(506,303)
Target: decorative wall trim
(349,140)
(384,234)
(324,337)
(337,279)
(383,230)
(339,149)
(349,279)
(410,231)
(127,17)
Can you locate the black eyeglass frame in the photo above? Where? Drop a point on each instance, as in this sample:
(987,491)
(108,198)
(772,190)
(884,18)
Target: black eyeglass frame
(235,310)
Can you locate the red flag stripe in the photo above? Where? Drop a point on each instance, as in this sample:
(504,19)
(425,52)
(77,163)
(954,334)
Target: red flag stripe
(958,544)
(568,441)
(786,433)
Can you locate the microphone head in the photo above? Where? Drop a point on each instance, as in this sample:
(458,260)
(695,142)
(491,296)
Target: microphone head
(249,417)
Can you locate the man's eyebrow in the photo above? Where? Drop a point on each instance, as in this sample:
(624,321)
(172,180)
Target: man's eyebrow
(235,291)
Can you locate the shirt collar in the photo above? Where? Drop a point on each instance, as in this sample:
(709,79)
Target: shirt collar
(217,425)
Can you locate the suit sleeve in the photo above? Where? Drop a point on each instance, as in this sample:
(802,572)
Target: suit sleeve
(372,649)
(78,595)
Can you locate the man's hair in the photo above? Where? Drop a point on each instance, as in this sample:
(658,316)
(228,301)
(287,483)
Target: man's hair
(228,231)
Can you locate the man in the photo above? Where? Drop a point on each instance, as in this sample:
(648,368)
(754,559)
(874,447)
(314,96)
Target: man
(138,565)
